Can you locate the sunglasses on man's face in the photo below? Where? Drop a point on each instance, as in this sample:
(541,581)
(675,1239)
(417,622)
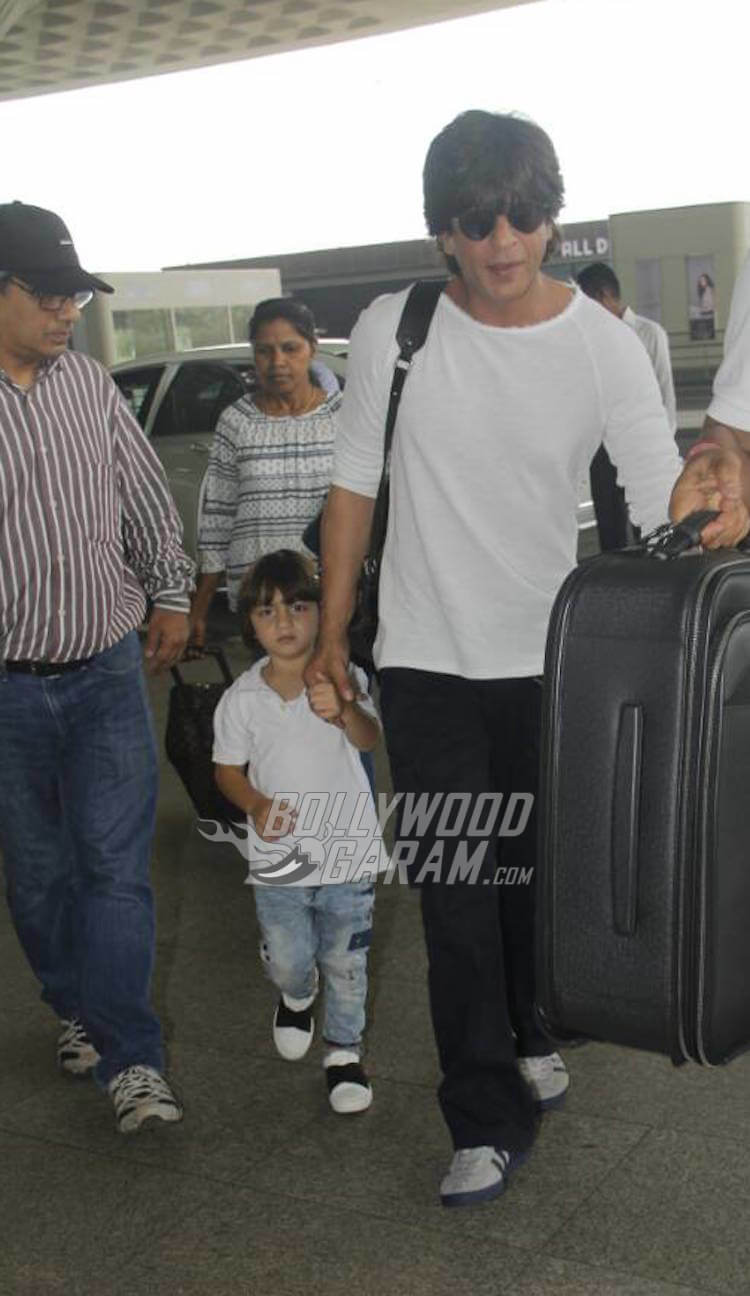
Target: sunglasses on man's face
(478,222)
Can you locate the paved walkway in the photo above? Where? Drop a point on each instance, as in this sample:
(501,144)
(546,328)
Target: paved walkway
(640,1186)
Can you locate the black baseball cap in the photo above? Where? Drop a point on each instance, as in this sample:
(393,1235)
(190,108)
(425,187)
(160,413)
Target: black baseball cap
(36,246)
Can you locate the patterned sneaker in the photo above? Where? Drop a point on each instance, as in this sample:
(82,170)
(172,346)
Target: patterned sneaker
(75,1052)
(548,1077)
(293,1029)
(349,1090)
(140,1093)
(477,1174)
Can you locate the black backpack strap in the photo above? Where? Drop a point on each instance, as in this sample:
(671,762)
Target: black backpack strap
(411,335)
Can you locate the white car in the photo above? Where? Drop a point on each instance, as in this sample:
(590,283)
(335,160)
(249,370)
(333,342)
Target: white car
(177,398)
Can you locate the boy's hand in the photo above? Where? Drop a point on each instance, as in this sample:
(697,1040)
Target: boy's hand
(325,700)
(331,662)
(268,825)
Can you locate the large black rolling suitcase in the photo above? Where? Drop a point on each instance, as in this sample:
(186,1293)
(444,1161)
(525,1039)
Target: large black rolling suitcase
(644,895)
(189,738)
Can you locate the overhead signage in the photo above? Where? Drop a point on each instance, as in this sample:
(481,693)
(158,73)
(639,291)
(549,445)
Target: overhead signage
(585,241)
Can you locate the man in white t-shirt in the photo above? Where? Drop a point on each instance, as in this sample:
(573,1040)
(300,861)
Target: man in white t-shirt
(728,419)
(600,282)
(520,379)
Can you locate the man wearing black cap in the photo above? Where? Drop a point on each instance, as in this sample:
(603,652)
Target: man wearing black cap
(88,533)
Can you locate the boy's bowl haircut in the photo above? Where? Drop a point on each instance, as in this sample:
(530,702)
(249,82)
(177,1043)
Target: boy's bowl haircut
(291,573)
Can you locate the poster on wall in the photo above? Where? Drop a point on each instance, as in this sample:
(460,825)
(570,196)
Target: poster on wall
(701,278)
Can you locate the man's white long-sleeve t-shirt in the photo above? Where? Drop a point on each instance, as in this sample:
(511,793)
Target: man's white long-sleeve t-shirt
(731,399)
(495,428)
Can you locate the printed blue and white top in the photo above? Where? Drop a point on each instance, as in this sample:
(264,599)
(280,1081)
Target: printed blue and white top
(267,477)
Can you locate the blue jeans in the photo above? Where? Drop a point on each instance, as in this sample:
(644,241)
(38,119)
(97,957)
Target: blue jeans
(327,926)
(78,784)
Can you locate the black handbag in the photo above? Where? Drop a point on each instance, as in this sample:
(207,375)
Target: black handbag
(189,739)
(411,334)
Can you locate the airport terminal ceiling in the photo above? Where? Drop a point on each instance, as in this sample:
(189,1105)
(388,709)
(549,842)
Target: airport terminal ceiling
(52,45)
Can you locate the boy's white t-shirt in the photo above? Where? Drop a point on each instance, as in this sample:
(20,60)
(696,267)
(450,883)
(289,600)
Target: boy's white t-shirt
(294,755)
(495,429)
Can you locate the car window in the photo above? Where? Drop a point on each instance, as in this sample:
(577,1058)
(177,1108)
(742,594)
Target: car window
(195,399)
(138,387)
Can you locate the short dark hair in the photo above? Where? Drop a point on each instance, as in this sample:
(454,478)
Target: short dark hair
(291,573)
(597,279)
(484,159)
(294,312)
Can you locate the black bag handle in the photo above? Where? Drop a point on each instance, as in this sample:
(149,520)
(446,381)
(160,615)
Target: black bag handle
(675,538)
(411,334)
(191,655)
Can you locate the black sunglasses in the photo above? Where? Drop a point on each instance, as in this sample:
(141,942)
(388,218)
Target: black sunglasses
(478,222)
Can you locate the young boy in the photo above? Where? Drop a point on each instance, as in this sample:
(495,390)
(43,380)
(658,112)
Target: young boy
(290,759)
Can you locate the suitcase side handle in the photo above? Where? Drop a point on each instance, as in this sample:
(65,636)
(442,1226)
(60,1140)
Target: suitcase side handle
(625,820)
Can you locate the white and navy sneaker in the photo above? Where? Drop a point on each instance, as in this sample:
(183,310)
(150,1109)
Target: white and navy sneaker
(75,1052)
(293,1029)
(478,1174)
(349,1090)
(547,1077)
(140,1093)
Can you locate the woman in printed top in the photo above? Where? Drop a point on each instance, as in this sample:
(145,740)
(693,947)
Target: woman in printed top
(290,760)
(271,459)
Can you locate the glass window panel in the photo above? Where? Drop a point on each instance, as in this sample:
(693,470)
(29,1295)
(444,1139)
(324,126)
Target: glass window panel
(199,326)
(138,387)
(648,288)
(196,398)
(141,332)
(240,321)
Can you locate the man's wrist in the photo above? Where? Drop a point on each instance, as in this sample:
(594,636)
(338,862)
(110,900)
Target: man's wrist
(700,446)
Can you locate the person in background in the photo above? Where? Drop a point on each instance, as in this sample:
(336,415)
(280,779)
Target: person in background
(600,282)
(271,459)
(269,743)
(88,534)
(520,379)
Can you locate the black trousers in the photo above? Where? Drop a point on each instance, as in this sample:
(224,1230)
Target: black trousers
(610,508)
(446,734)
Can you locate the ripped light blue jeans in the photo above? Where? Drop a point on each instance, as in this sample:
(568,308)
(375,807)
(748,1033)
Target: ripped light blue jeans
(328,927)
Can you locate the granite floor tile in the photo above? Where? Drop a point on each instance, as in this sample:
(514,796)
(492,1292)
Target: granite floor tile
(65,1214)
(391,1160)
(628,1084)
(552,1277)
(247,1243)
(400,1040)
(676,1210)
(235,1113)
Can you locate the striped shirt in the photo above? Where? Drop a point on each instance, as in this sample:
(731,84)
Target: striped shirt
(88,527)
(267,477)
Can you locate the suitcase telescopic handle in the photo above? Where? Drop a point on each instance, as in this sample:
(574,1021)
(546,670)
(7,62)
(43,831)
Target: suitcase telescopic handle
(198,655)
